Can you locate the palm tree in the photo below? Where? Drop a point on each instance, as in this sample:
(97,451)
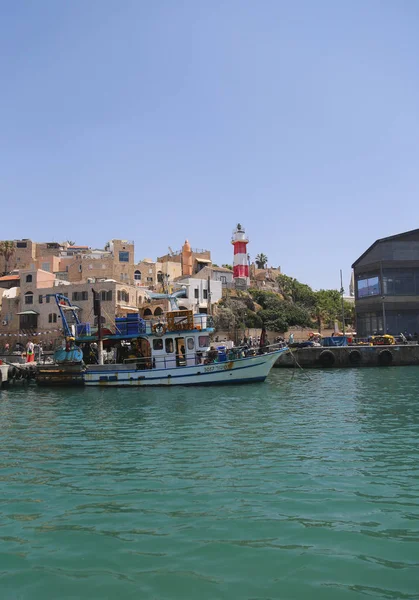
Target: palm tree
(7,249)
(261,260)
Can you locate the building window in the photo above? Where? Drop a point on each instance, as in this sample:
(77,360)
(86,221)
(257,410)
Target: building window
(147,312)
(223,279)
(28,278)
(28,298)
(196,293)
(52,318)
(21,244)
(158,312)
(205,294)
(47,299)
(106,296)
(40,299)
(46,266)
(149,279)
(137,275)
(124,256)
(370,286)
(80,268)
(123,296)
(160,277)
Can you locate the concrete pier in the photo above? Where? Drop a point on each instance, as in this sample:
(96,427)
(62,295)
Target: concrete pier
(350,356)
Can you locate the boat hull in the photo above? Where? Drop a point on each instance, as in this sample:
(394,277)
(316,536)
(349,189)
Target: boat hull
(245,370)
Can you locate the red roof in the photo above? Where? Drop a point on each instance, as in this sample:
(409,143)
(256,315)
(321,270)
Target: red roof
(10,278)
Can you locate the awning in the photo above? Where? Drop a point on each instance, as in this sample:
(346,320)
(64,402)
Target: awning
(122,307)
(65,307)
(203,260)
(28,312)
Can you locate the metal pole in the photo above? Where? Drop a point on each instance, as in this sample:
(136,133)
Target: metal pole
(343,303)
(383,298)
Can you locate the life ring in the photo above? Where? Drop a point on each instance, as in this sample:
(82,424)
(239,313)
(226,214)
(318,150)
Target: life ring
(159,329)
(355,358)
(327,358)
(385,358)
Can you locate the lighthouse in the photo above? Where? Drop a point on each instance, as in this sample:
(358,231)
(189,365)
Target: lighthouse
(240,263)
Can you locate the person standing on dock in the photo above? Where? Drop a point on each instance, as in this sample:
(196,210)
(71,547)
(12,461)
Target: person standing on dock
(29,351)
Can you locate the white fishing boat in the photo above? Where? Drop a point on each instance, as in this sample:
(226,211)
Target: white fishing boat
(173,350)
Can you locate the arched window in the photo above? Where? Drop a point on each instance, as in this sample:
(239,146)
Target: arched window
(123,296)
(147,312)
(137,275)
(52,318)
(28,278)
(158,312)
(28,298)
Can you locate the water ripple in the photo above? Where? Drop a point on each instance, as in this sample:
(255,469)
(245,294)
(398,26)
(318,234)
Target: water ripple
(290,489)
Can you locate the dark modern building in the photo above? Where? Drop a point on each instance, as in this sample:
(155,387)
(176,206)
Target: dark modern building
(387,286)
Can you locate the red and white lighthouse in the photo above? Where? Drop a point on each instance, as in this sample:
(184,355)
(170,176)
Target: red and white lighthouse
(240,263)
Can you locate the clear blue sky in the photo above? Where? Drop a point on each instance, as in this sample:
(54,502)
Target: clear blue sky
(160,121)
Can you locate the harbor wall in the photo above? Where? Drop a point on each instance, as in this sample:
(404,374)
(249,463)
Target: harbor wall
(350,356)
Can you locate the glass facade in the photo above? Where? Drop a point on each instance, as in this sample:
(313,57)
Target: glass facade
(406,321)
(368,286)
(401,282)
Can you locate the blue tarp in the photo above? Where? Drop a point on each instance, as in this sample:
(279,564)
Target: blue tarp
(335,341)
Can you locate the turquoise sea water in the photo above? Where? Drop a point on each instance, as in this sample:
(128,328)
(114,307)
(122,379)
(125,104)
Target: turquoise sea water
(291,489)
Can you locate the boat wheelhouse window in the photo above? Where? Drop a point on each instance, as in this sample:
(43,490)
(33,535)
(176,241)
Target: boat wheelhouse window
(191,343)
(169,346)
(158,344)
(203,341)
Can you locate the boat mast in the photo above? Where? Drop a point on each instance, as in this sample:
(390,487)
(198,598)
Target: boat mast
(97,311)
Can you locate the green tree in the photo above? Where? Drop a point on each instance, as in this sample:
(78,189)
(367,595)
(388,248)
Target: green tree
(227,267)
(7,249)
(261,260)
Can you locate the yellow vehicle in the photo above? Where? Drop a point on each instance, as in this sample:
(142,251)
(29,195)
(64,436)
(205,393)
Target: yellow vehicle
(383,340)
